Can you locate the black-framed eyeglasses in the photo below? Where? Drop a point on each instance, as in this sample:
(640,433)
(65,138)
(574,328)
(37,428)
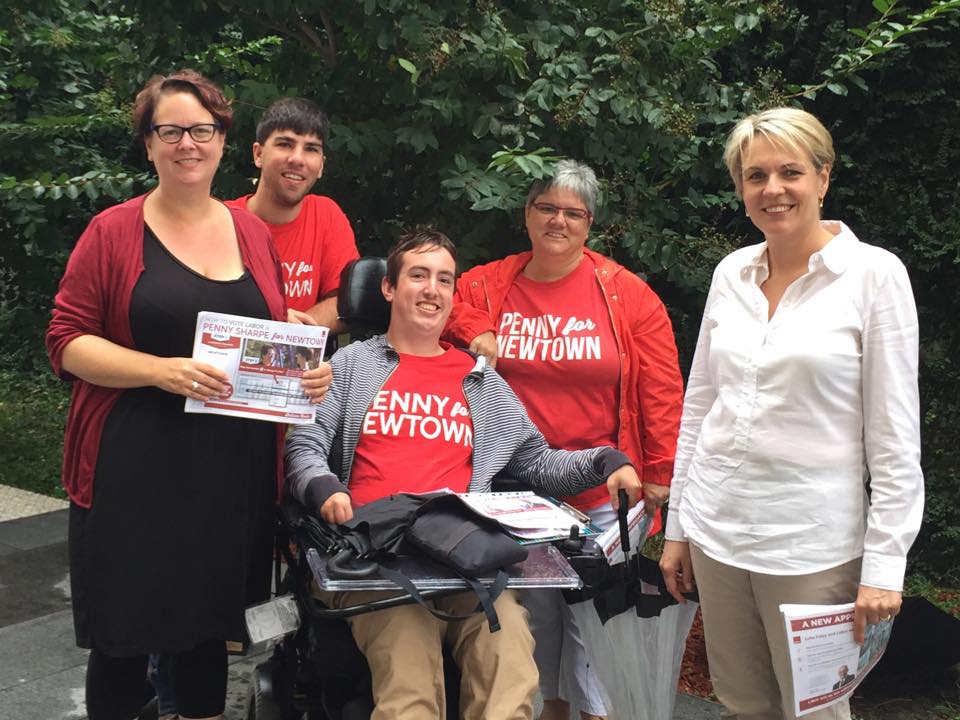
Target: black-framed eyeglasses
(548,210)
(201,132)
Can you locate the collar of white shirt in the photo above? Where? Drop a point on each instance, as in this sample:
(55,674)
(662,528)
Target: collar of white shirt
(835,255)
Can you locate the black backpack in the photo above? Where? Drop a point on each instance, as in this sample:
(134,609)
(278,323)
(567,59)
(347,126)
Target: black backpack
(436,525)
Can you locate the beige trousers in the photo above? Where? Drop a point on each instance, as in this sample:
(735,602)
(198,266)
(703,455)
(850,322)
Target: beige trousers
(403,648)
(746,639)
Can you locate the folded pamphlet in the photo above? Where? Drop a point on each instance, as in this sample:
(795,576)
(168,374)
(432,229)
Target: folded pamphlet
(265,360)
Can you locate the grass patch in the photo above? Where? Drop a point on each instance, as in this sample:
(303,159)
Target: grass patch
(947,599)
(33,410)
(948,710)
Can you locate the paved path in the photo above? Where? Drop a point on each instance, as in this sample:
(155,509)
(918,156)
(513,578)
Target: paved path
(17,503)
(41,669)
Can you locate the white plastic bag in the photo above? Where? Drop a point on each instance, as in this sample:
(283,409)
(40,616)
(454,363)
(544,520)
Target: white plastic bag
(637,659)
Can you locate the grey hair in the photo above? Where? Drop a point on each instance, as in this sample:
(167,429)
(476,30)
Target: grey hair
(570,175)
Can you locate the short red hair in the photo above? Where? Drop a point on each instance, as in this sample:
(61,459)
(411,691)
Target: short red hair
(207,93)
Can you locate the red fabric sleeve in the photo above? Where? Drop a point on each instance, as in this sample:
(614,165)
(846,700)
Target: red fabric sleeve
(79,306)
(340,247)
(468,318)
(659,390)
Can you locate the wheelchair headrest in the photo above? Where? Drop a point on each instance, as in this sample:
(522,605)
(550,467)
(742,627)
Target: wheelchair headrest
(360,304)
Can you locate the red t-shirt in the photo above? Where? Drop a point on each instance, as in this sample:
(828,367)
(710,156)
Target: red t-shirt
(558,352)
(313,249)
(417,435)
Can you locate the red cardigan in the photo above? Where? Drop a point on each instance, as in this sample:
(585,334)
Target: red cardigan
(651,387)
(94,299)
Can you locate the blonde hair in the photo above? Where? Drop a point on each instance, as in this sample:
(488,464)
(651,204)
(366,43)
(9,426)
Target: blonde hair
(785,126)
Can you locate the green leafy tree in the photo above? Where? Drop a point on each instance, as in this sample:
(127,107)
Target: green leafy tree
(444,111)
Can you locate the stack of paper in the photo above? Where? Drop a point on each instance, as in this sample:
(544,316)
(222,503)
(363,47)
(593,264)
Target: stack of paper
(528,516)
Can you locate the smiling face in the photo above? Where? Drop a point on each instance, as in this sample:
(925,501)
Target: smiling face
(421,300)
(289,164)
(556,235)
(186,162)
(782,189)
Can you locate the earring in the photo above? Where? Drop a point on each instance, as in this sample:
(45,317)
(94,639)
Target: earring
(821,202)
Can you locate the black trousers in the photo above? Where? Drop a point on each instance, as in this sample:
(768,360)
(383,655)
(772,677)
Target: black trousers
(117,687)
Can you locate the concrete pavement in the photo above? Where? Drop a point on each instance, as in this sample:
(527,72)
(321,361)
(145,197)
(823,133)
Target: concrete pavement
(41,669)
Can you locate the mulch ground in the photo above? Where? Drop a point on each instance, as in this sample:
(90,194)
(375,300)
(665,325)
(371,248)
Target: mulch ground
(694,673)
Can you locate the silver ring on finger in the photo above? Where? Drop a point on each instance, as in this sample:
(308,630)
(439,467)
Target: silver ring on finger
(194,385)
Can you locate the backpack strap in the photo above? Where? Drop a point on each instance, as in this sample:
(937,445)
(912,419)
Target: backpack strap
(486,596)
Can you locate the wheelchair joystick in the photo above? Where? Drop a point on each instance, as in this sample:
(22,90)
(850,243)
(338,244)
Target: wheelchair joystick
(573,544)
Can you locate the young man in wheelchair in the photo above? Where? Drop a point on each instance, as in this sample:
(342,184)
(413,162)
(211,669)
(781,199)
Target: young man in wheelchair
(408,413)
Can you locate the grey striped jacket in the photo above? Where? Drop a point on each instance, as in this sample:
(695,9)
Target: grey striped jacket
(319,456)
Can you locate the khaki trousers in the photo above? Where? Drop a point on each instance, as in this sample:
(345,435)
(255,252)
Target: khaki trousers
(746,639)
(403,648)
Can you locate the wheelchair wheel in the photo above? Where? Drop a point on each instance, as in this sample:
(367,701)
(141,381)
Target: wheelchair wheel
(355,709)
(265,701)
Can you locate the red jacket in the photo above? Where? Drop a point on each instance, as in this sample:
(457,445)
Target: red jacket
(651,388)
(94,299)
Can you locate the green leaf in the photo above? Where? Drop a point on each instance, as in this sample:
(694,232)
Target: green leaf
(410,68)
(858,81)
(419,138)
(837,88)
(482,126)
(523,164)
(486,203)
(881,6)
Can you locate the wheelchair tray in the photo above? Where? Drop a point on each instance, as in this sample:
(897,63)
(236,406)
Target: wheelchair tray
(545,567)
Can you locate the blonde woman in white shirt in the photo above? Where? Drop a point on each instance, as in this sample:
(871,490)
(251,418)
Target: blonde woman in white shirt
(801,398)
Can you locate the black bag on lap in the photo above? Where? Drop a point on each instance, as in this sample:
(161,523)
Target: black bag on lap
(437,525)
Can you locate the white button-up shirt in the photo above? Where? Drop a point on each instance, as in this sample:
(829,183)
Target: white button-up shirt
(785,419)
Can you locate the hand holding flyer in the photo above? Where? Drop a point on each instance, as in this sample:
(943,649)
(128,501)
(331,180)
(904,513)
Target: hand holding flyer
(827,664)
(638,525)
(264,360)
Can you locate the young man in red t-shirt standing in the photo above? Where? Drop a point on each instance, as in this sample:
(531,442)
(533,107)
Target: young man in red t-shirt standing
(407,412)
(312,235)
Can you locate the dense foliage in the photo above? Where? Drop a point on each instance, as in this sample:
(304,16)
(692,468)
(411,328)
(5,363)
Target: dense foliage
(444,110)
